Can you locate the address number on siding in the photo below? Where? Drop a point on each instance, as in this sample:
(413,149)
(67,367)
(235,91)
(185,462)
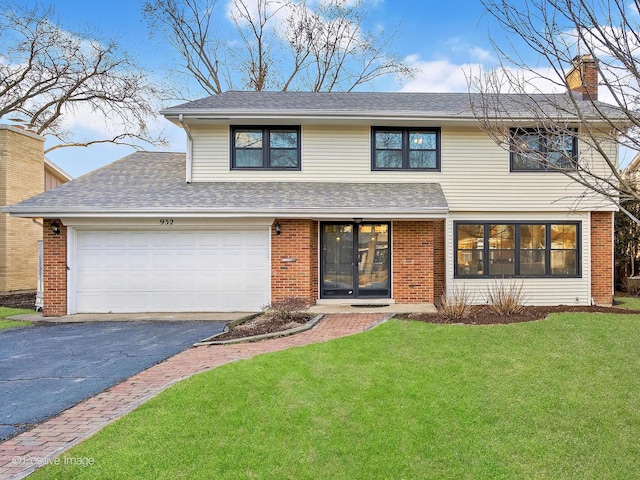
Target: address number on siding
(166,221)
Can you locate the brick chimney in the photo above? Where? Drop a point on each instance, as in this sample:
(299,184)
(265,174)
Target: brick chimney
(583,77)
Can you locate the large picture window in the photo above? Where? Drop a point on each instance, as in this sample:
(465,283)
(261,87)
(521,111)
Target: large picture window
(276,148)
(517,249)
(405,148)
(535,150)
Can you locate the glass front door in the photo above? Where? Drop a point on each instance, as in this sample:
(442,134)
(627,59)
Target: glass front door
(355,260)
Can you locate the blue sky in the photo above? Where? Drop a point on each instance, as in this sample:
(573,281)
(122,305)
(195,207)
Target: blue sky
(444,39)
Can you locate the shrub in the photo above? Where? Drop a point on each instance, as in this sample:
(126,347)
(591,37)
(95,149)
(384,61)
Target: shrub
(288,308)
(632,286)
(455,305)
(506,298)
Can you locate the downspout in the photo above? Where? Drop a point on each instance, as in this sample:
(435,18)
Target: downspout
(189,147)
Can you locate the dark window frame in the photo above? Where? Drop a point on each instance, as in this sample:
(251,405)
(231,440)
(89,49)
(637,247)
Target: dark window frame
(266,150)
(324,292)
(405,148)
(547,250)
(543,136)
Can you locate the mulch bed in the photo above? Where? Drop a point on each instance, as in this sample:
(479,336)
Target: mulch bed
(263,324)
(22,299)
(482,315)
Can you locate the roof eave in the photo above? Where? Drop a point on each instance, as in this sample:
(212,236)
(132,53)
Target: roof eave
(319,213)
(57,170)
(231,115)
(221,114)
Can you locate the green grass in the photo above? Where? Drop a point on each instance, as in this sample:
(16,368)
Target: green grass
(9,312)
(628,302)
(553,399)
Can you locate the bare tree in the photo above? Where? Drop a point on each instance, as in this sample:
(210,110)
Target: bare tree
(47,73)
(276,44)
(573,41)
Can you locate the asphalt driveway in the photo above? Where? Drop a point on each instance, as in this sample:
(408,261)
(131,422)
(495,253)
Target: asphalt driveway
(47,368)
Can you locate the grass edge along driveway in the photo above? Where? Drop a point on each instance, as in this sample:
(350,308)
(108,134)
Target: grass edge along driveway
(552,399)
(9,312)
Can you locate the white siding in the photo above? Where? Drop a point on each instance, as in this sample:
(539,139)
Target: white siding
(475,172)
(540,291)
(476,177)
(210,153)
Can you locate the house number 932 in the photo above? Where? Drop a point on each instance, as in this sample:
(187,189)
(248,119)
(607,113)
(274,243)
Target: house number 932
(166,221)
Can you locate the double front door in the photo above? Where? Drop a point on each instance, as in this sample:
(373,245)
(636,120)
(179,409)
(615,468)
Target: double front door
(355,260)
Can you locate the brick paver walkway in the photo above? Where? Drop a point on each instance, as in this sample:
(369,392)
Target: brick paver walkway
(24,453)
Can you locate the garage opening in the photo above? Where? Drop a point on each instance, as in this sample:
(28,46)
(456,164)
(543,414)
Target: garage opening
(176,271)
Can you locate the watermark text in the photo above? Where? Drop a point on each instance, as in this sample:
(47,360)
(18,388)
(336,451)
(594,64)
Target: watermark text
(29,461)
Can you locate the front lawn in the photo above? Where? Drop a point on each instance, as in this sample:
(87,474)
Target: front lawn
(552,399)
(9,312)
(631,301)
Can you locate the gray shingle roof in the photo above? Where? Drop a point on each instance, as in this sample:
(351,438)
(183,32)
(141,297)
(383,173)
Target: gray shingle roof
(154,183)
(435,105)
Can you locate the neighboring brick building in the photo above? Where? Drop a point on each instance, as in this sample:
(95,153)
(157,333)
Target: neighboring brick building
(23,174)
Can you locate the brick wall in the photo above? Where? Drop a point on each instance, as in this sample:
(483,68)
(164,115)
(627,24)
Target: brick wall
(55,270)
(418,261)
(299,278)
(584,77)
(21,177)
(438,259)
(602,257)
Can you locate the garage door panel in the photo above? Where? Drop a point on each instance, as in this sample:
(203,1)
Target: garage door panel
(139,281)
(165,240)
(139,240)
(236,239)
(186,239)
(89,260)
(147,271)
(92,281)
(139,261)
(114,240)
(254,239)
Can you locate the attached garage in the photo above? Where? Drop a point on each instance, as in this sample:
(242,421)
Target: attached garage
(125,271)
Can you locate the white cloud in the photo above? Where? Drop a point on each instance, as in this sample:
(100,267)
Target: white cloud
(447,76)
(460,47)
(280,12)
(437,76)
(481,55)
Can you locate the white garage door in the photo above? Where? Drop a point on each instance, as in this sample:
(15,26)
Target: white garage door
(157,271)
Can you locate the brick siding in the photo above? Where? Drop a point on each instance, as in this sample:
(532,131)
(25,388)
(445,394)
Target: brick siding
(21,177)
(602,257)
(299,278)
(55,270)
(438,259)
(418,261)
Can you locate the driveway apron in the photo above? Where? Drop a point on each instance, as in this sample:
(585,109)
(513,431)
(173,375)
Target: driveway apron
(47,368)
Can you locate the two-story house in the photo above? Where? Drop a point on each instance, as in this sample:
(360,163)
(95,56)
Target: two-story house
(335,197)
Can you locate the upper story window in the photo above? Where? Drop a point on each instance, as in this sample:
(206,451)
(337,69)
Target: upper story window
(405,148)
(535,150)
(517,250)
(276,148)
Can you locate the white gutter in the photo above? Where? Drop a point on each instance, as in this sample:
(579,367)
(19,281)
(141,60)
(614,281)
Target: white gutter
(189,147)
(291,213)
